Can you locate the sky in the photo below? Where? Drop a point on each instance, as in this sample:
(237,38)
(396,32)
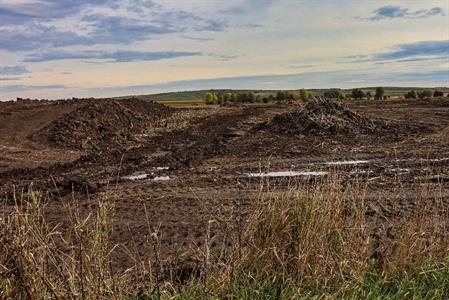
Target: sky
(100,48)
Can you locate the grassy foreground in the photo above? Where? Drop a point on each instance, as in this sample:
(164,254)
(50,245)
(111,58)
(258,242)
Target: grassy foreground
(308,242)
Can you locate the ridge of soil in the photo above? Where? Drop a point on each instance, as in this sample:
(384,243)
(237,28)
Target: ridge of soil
(99,124)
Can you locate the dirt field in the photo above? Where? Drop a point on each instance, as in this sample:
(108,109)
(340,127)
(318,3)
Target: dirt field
(181,170)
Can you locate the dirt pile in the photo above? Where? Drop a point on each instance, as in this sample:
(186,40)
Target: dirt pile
(100,124)
(321,117)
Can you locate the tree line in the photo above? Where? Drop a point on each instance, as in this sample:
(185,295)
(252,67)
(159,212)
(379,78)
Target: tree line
(304,95)
(423,94)
(251,97)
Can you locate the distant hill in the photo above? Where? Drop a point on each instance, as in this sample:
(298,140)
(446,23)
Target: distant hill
(197,96)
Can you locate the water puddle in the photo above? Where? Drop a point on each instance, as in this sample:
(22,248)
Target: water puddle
(400,170)
(346,162)
(145,176)
(161,178)
(136,177)
(287,174)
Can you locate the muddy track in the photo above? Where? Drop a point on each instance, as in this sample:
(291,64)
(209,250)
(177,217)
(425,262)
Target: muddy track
(178,149)
(189,147)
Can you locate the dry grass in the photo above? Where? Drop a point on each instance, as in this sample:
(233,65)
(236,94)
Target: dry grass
(319,239)
(37,262)
(311,241)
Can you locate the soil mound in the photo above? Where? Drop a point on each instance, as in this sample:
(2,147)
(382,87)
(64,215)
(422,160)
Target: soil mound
(97,124)
(322,117)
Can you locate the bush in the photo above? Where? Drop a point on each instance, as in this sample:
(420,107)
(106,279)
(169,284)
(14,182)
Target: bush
(438,94)
(424,94)
(358,94)
(368,95)
(410,95)
(305,95)
(210,98)
(333,94)
(282,95)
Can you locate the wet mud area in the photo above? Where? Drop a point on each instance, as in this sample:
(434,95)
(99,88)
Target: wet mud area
(193,174)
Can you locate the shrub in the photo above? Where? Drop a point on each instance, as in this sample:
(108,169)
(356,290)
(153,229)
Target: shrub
(281,95)
(438,94)
(304,95)
(333,94)
(410,95)
(358,94)
(380,91)
(424,94)
(210,98)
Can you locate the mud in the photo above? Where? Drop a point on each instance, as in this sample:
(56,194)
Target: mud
(100,124)
(207,153)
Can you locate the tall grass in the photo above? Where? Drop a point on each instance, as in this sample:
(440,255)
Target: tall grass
(319,241)
(310,241)
(39,262)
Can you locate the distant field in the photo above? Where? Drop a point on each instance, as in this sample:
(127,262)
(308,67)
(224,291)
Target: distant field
(196,97)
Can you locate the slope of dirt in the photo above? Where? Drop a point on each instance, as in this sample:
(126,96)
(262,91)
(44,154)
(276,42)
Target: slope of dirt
(323,117)
(18,119)
(102,123)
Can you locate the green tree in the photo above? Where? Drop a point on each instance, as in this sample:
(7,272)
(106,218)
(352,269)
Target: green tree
(411,95)
(358,94)
(294,96)
(251,97)
(220,98)
(242,97)
(424,94)
(233,98)
(210,98)
(438,93)
(280,95)
(226,97)
(380,92)
(304,95)
(332,94)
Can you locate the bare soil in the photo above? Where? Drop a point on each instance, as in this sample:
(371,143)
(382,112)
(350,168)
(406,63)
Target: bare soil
(80,152)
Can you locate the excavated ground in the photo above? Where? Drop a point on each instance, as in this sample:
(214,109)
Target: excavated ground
(182,170)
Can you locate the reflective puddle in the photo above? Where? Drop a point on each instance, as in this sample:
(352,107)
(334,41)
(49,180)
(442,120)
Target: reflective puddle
(136,177)
(287,174)
(161,178)
(145,176)
(346,162)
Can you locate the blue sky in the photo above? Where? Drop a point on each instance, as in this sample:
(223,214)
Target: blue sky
(64,48)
